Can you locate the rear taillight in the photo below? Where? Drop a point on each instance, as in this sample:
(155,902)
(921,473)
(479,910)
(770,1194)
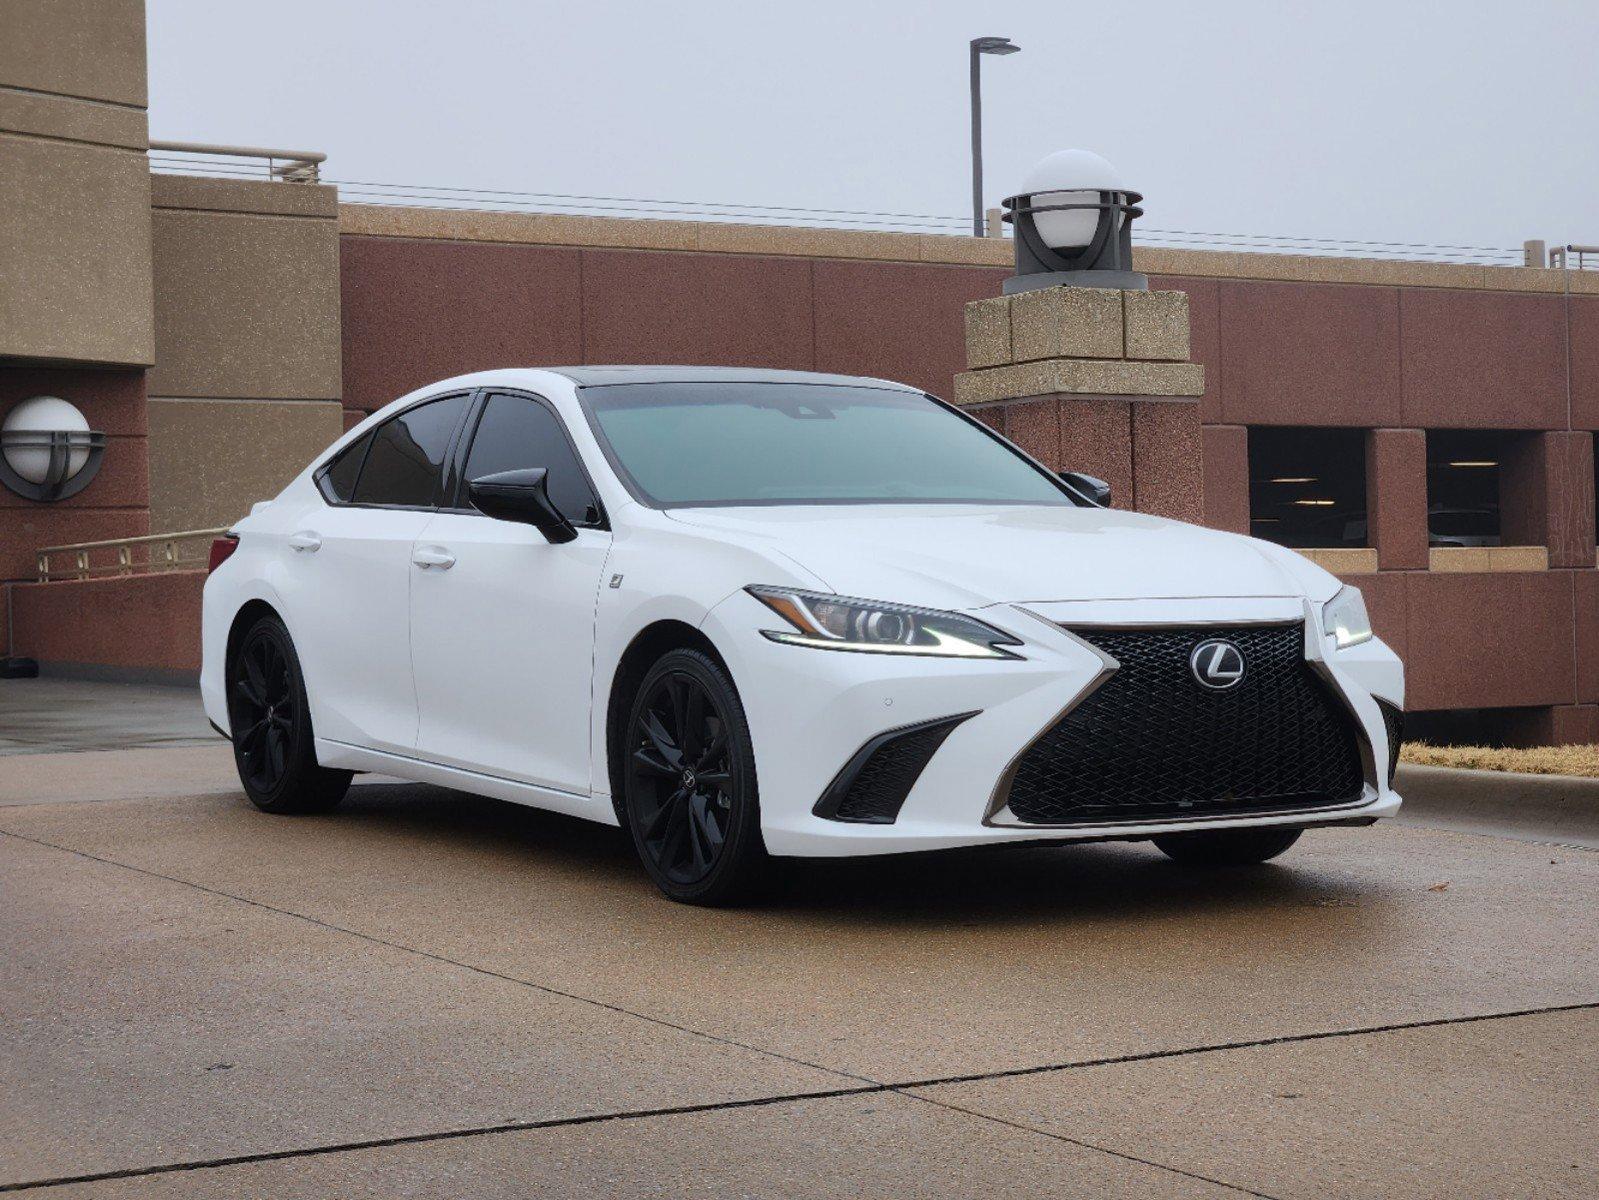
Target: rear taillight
(221,550)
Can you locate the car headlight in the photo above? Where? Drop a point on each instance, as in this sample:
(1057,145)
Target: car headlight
(840,623)
(1344,617)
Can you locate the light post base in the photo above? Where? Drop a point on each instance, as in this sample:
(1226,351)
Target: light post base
(1127,281)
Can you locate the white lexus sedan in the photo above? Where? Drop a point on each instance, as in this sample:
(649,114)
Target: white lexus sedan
(745,613)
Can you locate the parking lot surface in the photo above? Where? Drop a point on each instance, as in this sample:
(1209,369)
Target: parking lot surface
(425,993)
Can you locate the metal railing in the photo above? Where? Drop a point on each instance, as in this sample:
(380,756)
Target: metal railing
(1587,258)
(303,166)
(152,554)
(290,166)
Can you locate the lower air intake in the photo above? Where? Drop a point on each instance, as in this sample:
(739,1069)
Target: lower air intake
(1393,720)
(1152,743)
(874,783)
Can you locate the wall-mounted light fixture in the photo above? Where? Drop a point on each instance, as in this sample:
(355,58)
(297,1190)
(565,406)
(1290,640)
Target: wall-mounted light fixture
(47,450)
(1073,226)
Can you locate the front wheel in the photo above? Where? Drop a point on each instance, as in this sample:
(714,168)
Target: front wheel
(689,791)
(1227,847)
(270,721)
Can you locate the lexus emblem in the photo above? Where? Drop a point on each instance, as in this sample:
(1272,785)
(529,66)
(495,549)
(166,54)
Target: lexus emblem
(1217,664)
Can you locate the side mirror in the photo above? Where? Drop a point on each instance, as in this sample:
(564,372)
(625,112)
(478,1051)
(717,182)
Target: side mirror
(1095,492)
(522,496)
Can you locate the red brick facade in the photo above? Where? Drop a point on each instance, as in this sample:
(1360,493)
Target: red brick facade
(1392,360)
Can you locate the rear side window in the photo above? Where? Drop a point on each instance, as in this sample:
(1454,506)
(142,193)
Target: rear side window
(405,465)
(516,433)
(338,481)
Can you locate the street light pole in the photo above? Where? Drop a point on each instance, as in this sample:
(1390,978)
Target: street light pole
(979,47)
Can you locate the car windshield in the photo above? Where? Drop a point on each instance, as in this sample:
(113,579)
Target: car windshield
(704,444)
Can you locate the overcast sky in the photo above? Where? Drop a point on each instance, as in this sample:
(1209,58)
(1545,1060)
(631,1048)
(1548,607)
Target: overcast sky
(1461,121)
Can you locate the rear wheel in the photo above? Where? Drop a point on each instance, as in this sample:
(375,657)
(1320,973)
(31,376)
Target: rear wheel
(689,792)
(1227,847)
(270,722)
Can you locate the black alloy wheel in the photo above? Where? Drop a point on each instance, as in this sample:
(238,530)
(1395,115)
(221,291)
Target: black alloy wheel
(271,726)
(264,708)
(689,781)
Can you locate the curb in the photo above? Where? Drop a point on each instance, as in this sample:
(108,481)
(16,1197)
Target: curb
(1554,808)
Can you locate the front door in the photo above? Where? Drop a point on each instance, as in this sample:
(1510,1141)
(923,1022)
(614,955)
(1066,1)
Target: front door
(502,643)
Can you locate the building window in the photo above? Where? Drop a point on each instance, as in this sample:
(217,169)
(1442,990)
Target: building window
(1307,487)
(1463,474)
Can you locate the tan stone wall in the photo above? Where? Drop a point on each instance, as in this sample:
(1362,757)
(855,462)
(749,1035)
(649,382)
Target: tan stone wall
(247,382)
(554,229)
(211,459)
(247,290)
(74,185)
(88,48)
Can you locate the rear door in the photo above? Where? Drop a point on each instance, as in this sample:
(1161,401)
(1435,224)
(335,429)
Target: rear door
(349,575)
(502,621)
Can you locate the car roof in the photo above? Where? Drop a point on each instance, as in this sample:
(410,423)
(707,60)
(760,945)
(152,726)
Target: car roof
(610,376)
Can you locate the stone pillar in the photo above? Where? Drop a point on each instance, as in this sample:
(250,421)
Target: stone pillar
(1396,498)
(247,384)
(76,319)
(1095,380)
(1226,460)
(1546,496)
(75,188)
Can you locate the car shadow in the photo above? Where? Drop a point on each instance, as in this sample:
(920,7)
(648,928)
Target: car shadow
(988,885)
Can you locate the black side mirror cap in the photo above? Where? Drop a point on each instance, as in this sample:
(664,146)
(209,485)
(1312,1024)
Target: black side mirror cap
(522,496)
(1093,491)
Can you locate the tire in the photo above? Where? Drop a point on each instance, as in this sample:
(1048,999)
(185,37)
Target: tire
(269,720)
(1227,847)
(688,783)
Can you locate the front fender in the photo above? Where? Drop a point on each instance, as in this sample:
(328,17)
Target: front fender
(662,571)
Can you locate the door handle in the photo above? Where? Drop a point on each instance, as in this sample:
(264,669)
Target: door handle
(433,556)
(305,540)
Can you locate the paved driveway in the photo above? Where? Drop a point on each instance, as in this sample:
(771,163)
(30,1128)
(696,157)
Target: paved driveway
(425,993)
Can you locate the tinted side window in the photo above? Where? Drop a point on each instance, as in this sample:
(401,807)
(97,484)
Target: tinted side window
(516,433)
(339,478)
(407,455)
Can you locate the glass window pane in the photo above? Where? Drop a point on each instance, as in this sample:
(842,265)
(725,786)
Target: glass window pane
(342,474)
(1307,487)
(407,455)
(1463,470)
(516,434)
(746,443)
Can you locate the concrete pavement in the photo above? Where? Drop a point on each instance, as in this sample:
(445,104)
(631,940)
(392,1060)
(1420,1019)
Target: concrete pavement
(425,993)
(56,715)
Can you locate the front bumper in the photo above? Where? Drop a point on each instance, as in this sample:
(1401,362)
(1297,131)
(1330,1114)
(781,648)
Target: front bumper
(811,710)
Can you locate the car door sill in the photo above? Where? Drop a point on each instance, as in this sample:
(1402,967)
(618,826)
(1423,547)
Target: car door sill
(349,757)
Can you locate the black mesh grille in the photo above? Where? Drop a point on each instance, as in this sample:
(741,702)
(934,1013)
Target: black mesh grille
(874,783)
(1393,720)
(1151,742)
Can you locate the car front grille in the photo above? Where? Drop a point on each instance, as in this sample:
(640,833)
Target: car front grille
(1153,743)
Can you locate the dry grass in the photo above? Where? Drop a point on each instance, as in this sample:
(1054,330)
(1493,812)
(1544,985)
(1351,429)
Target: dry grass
(1537,760)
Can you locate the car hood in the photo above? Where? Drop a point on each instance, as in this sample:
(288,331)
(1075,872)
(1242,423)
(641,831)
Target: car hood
(955,556)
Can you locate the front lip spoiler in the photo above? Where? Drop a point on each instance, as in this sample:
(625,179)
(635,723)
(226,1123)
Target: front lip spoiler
(1340,814)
